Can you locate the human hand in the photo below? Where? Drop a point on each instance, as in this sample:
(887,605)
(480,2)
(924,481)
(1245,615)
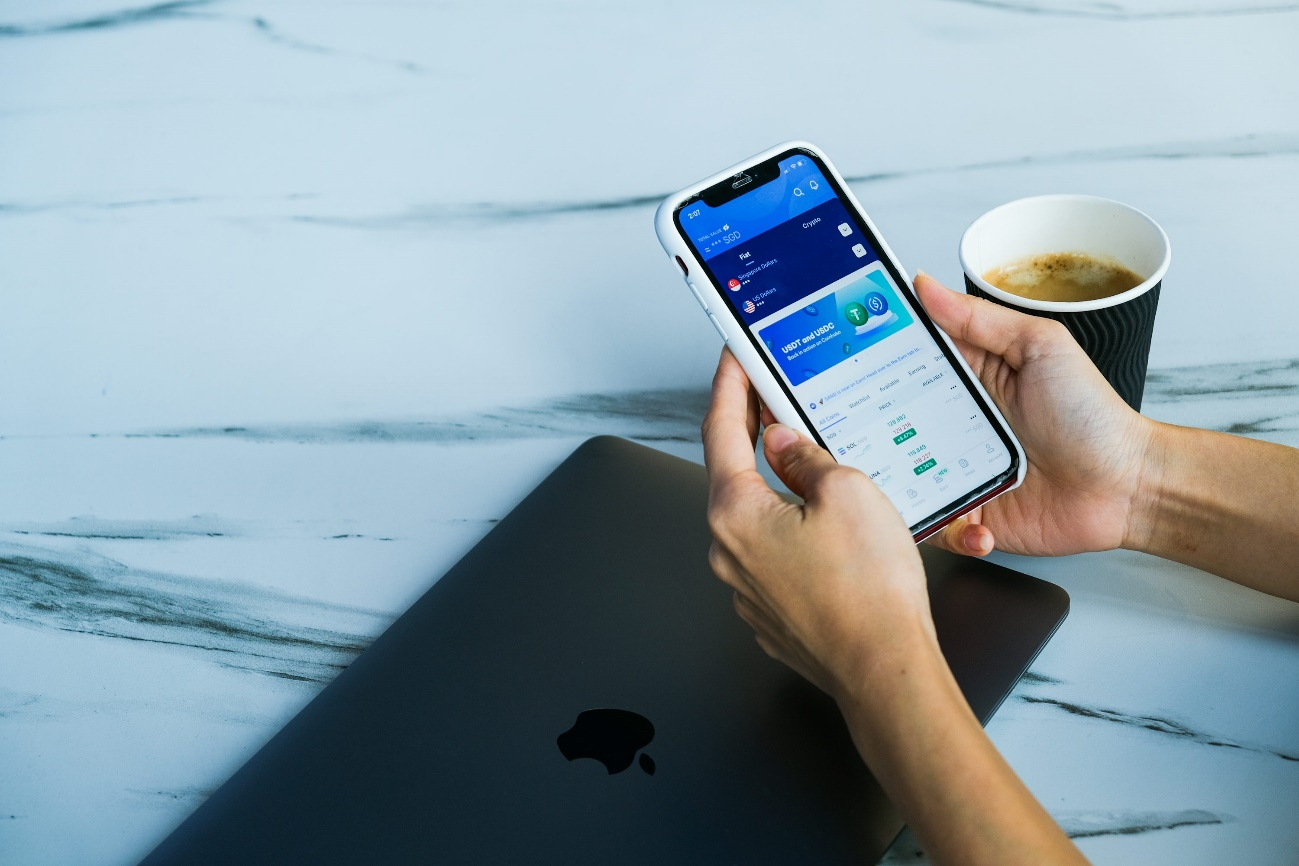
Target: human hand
(831,587)
(834,588)
(1086,448)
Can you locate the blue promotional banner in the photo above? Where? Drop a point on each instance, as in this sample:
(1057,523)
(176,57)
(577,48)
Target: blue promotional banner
(813,339)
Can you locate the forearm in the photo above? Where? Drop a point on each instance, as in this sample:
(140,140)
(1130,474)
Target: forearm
(959,796)
(1225,504)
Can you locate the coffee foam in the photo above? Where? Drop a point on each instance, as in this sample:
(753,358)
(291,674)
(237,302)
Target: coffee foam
(1068,276)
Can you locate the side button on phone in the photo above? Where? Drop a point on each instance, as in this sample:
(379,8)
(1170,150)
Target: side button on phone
(698,296)
(718,326)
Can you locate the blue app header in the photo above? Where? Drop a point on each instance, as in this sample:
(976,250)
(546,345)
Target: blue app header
(786,263)
(799,188)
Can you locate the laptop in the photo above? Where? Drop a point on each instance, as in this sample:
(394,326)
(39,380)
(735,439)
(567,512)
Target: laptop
(578,689)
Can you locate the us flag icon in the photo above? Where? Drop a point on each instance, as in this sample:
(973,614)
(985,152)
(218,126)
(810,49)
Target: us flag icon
(749,307)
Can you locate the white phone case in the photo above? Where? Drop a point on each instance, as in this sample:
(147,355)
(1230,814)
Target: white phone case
(732,330)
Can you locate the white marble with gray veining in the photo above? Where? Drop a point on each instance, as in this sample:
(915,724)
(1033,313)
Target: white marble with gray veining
(298,299)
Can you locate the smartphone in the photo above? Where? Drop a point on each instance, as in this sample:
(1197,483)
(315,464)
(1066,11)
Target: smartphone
(799,283)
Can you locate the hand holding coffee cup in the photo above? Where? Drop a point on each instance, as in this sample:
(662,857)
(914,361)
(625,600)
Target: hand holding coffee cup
(1093,264)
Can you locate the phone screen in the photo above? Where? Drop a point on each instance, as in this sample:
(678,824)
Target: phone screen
(805,280)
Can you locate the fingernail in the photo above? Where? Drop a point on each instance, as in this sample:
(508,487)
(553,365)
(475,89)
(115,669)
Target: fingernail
(920,273)
(977,542)
(779,437)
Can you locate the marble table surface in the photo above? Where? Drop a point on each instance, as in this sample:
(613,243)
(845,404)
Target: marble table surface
(300,298)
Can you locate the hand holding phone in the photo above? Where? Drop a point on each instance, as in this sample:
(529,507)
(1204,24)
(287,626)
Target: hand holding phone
(814,306)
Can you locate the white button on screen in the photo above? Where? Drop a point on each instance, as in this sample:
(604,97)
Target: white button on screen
(859,250)
(845,229)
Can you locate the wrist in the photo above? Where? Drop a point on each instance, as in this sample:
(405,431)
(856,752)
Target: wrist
(1149,496)
(888,655)
(894,689)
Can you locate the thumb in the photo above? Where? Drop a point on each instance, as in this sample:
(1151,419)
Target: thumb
(983,324)
(797,460)
(964,537)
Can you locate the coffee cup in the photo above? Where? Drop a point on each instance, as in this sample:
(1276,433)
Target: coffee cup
(1115,330)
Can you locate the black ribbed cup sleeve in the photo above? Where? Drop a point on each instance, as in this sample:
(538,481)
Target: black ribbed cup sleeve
(1117,338)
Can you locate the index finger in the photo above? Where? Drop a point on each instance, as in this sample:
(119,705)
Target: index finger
(728,428)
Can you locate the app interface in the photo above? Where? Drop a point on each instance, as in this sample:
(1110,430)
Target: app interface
(811,288)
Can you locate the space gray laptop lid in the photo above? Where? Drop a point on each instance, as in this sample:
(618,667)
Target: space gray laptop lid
(577,689)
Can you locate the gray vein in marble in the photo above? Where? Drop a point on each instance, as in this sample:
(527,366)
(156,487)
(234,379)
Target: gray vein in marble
(1269,379)
(177,9)
(238,627)
(1117,12)
(27,208)
(653,415)
(1235,147)
(1038,679)
(198,526)
(1156,724)
(1084,825)
(168,796)
(28,706)
(106,20)
(433,216)
(14,704)
(279,37)
(1263,397)
(1259,400)
(421,217)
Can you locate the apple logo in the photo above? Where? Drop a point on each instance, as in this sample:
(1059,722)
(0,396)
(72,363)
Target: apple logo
(612,737)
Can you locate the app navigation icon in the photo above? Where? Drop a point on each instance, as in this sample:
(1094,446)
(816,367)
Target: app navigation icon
(859,250)
(845,229)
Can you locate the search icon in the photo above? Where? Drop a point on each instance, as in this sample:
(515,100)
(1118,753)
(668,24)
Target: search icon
(797,191)
(813,184)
